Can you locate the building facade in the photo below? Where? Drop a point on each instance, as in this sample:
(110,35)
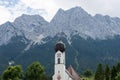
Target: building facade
(60,71)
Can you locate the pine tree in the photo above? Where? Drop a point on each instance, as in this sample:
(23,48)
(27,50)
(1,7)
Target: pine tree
(88,73)
(99,75)
(118,67)
(107,73)
(113,73)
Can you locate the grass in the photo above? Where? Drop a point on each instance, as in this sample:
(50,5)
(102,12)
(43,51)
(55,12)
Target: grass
(87,78)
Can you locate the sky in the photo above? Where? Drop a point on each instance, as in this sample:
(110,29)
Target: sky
(11,9)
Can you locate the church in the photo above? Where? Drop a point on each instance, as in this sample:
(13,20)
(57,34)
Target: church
(60,71)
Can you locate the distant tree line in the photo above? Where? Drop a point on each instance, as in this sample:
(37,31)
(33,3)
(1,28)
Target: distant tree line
(107,73)
(35,71)
(103,73)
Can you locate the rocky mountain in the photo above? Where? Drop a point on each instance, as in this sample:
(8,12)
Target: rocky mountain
(76,20)
(88,39)
(31,27)
(70,22)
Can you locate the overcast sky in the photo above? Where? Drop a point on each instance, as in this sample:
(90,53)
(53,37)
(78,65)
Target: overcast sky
(10,9)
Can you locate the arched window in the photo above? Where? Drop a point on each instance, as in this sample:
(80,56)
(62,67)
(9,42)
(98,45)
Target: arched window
(58,60)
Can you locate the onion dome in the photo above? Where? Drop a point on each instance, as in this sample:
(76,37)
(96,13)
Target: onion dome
(60,46)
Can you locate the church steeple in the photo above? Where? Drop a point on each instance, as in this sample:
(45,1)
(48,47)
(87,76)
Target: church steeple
(60,46)
(60,53)
(59,61)
(60,71)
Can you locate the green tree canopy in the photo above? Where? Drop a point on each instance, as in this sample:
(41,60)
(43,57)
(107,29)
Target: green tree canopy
(12,73)
(0,77)
(35,72)
(88,73)
(113,73)
(99,75)
(118,76)
(107,72)
(118,67)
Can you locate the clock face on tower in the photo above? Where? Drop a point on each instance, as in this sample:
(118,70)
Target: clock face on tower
(58,55)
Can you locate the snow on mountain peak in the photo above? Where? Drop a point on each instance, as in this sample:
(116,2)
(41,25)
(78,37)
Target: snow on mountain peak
(31,25)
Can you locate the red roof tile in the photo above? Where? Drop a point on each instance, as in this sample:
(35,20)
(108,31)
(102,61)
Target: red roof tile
(73,73)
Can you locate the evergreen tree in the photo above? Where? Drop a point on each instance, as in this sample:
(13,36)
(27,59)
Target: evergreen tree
(88,73)
(118,76)
(12,73)
(113,73)
(35,72)
(107,73)
(118,67)
(99,75)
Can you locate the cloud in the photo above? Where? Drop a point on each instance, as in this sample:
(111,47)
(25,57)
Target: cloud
(4,3)
(5,15)
(105,7)
(10,9)
(51,6)
(10,12)
(66,4)
(48,5)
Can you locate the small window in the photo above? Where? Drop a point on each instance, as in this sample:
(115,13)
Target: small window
(58,60)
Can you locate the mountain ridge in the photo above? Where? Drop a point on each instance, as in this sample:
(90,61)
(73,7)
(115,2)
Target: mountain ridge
(74,20)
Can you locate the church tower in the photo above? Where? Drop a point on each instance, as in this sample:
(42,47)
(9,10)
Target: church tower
(60,71)
(59,66)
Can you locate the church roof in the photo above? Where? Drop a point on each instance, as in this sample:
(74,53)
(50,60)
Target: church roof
(72,73)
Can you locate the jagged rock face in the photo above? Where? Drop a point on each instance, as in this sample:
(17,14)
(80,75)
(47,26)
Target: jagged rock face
(77,20)
(29,26)
(7,31)
(70,22)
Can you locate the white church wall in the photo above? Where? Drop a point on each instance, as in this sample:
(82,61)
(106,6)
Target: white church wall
(59,67)
(67,77)
(61,56)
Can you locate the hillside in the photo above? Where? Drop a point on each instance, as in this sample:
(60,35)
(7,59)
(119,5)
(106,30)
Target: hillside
(89,39)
